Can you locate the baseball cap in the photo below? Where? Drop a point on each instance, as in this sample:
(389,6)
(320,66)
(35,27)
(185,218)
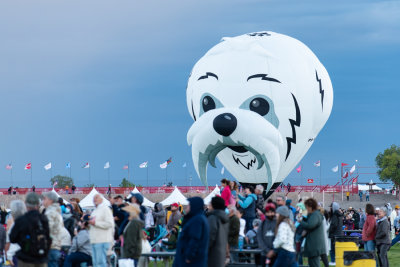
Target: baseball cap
(175,205)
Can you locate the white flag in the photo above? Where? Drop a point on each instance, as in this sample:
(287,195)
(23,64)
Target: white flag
(222,170)
(107,165)
(336,168)
(47,166)
(143,165)
(164,165)
(184,165)
(353,169)
(317,164)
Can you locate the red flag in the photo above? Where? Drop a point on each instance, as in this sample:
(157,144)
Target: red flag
(28,166)
(298,169)
(310,181)
(346,174)
(344,164)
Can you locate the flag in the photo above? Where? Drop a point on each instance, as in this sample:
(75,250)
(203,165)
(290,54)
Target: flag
(126,166)
(47,166)
(336,168)
(344,164)
(55,183)
(222,170)
(86,166)
(68,165)
(298,169)
(184,165)
(164,165)
(317,164)
(107,165)
(143,165)
(346,174)
(28,166)
(353,169)
(9,167)
(169,160)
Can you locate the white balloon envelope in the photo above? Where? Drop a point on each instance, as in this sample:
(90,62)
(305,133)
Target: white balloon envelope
(258,102)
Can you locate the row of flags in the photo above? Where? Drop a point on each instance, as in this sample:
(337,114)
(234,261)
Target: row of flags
(334,169)
(107,165)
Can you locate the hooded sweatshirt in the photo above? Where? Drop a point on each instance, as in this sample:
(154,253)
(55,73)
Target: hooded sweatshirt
(336,226)
(218,222)
(159,214)
(249,205)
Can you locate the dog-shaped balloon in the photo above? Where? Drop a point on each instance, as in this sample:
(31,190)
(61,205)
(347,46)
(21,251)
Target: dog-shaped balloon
(259,101)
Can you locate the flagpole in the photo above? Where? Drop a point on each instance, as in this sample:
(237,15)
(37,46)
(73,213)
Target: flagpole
(108,170)
(11,174)
(31,175)
(90,180)
(320,175)
(341,177)
(147,170)
(166,174)
(128,171)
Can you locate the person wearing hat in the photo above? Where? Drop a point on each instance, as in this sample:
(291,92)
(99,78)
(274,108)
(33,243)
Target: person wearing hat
(132,241)
(393,215)
(23,227)
(291,208)
(174,217)
(81,250)
(315,243)
(192,247)
(266,233)
(284,240)
(335,227)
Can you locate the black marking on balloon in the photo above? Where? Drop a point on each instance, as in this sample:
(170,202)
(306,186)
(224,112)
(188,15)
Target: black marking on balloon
(208,74)
(321,91)
(263,77)
(194,116)
(259,34)
(250,164)
(293,123)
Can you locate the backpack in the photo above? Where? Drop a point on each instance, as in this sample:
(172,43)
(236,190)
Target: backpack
(37,242)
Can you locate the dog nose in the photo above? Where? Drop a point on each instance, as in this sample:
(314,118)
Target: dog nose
(225,124)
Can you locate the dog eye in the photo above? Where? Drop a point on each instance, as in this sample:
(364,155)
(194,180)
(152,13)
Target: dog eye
(208,103)
(259,105)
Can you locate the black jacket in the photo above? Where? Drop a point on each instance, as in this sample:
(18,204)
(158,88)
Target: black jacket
(266,235)
(20,231)
(234,228)
(336,226)
(218,222)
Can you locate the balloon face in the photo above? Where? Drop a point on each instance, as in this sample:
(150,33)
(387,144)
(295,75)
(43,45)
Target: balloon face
(258,102)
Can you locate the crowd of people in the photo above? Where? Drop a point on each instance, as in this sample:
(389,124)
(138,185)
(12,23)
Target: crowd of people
(46,231)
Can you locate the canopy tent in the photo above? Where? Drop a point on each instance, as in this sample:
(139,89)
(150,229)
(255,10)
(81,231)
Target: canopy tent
(146,202)
(215,192)
(87,202)
(59,196)
(365,187)
(175,196)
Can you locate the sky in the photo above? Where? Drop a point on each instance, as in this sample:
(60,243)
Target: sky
(102,81)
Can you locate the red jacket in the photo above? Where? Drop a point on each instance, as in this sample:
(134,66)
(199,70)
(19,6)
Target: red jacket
(226,195)
(369,229)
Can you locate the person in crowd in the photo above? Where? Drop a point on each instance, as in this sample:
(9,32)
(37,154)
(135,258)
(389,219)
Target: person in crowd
(137,198)
(192,247)
(260,198)
(80,250)
(67,189)
(266,234)
(369,229)
(3,214)
(3,238)
(284,240)
(382,237)
(356,218)
(148,218)
(226,192)
(349,222)
(117,205)
(34,224)
(132,245)
(218,223)
(325,225)
(248,203)
(18,209)
(366,195)
(251,235)
(101,231)
(314,247)
(109,190)
(348,196)
(60,201)
(10,189)
(234,189)
(73,188)
(53,214)
(280,201)
(363,217)
(360,194)
(159,215)
(291,208)
(300,232)
(233,233)
(174,217)
(289,186)
(393,215)
(242,223)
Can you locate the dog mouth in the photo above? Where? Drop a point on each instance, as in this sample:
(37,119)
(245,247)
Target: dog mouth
(238,149)
(239,160)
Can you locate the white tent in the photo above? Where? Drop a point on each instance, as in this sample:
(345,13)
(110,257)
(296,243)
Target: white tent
(87,202)
(175,196)
(215,192)
(59,195)
(365,187)
(146,202)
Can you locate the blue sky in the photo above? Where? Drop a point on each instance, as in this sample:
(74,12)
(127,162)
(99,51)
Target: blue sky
(98,81)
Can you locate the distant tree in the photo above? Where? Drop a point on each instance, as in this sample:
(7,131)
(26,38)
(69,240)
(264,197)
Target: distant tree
(388,163)
(90,185)
(126,183)
(169,184)
(62,181)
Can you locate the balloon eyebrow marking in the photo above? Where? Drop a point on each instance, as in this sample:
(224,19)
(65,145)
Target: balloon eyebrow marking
(208,74)
(263,77)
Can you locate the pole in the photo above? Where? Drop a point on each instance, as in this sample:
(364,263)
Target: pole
(341,178)
(31,176)
(108,170)
(323,199)
(90,180)
(147,170)
(320,175)
(128,170)
(11,174)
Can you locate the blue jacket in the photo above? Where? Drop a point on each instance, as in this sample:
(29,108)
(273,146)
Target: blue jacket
(193,238)
(249,205)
